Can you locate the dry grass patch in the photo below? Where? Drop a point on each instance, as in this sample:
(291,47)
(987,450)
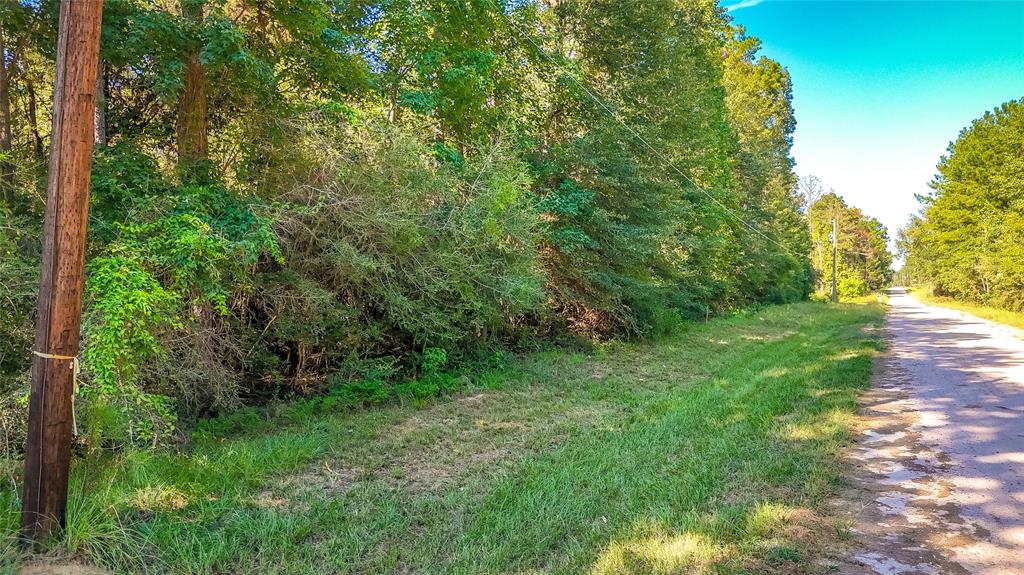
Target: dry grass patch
(690,553)
(47,568)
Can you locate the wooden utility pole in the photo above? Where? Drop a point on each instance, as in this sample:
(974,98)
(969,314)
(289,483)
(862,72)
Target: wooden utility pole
(54,363)
(835,244)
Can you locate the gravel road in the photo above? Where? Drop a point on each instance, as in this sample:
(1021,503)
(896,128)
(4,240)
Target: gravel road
(938,471)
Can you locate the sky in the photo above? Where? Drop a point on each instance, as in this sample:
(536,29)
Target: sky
(880,88)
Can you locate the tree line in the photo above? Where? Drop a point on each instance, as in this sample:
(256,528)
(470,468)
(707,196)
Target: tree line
(966,243)
(863,263)
(352,197)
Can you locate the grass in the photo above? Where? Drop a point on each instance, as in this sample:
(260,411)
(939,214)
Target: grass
(1005,317)
(709,452)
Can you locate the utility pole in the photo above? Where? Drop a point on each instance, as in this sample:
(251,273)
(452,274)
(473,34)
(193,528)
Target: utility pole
(54,361)
(835,243)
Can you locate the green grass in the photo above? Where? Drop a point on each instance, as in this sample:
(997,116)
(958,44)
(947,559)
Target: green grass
(709,452)
(1005,317)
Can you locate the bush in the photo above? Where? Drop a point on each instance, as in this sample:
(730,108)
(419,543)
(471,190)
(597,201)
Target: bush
(158,290)
(19,282)
(418,251)
(362,393)
(852,286)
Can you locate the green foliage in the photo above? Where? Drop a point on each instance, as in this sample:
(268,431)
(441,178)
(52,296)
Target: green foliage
(759,100)
(130,308)
(852,286)
(433,359)
(19,276)
(363,392)
(424,252)
(344,393)
(967,243)
(169,271)
(864,263)
(432,380)
(391,189)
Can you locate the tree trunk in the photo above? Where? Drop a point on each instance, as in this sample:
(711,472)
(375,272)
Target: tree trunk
(100,131)
(54,363)
(393,100)
(261,16)
(6,167)
(33,121)
(192,115)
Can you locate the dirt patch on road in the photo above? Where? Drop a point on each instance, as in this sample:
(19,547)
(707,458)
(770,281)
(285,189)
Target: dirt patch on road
(902,522)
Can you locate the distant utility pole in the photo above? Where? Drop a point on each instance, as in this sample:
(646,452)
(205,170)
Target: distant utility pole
(835,243)
(55,356)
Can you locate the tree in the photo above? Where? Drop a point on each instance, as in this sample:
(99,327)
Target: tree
(812,189)
(966,244)
(759,99)
(193,121)
(15,32)
(864,262)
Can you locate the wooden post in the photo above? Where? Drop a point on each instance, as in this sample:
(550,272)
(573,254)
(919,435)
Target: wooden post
(47,454)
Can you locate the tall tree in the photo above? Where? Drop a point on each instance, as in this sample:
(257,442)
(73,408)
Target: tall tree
(967,242)
(759,99)
(193,121)
(6,64)
(864,262)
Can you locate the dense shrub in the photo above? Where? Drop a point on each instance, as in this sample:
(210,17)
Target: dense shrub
(158,294)
(415,249)
(19,278)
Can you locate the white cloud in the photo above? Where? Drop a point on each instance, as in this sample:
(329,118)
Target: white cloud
(743,4)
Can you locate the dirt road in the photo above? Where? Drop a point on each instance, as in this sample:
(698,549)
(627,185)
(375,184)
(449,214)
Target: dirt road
(939,469)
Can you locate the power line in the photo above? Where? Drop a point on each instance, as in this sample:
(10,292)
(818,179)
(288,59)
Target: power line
(637,135)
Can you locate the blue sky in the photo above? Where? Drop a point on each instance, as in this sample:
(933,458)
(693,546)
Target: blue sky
(880,88)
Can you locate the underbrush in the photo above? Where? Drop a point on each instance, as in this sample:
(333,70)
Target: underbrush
(376,247)
(710,451)
(433,382)
(380,265)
